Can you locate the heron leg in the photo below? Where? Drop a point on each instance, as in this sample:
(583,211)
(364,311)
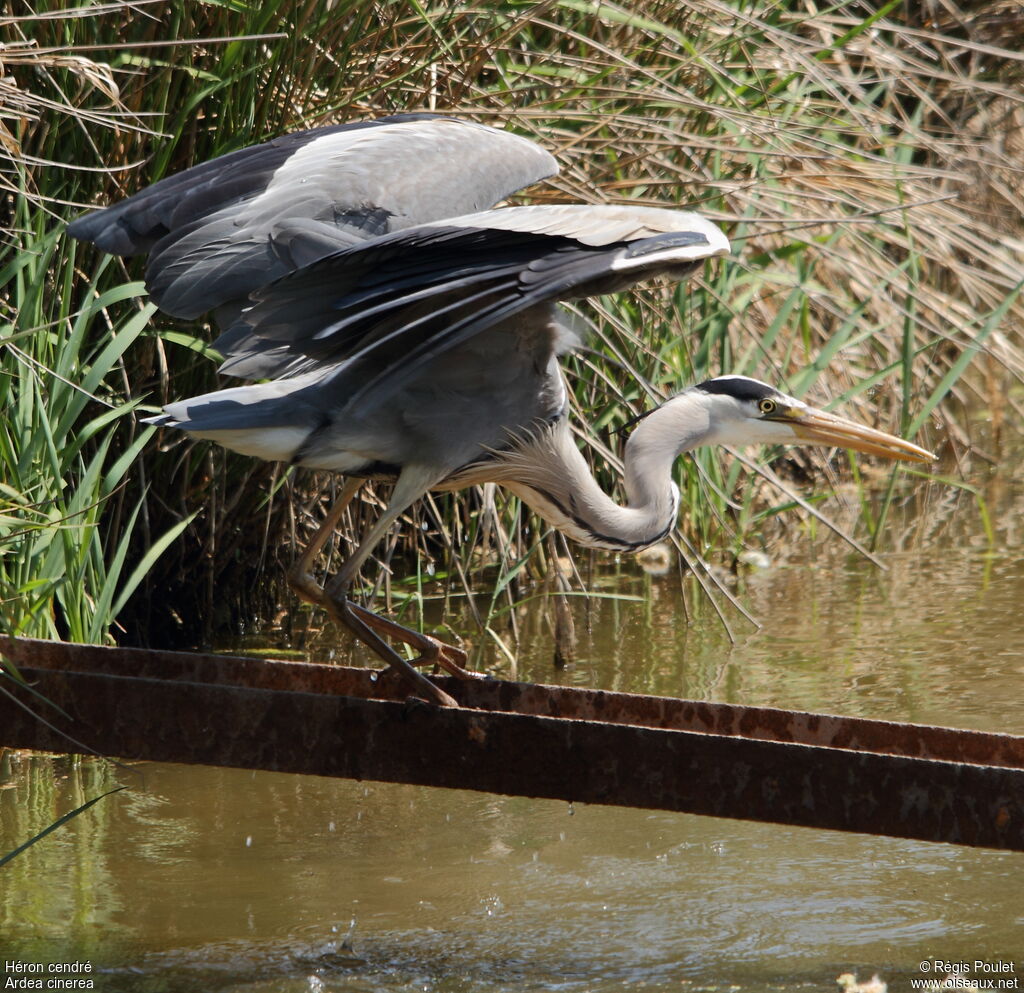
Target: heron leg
(364,624)
(301,578)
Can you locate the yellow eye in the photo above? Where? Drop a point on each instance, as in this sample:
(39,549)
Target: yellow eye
(767,406)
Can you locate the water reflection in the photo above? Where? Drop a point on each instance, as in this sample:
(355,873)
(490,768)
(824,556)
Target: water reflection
(213,879)
(217,879)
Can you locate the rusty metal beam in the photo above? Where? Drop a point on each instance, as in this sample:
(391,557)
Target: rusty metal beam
(787,767)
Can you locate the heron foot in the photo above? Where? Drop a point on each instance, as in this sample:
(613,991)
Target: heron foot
(362,623)
(432,651)
(354,618)
(368,626)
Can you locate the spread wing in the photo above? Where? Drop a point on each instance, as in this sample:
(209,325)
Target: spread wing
(383,310)
(220,230)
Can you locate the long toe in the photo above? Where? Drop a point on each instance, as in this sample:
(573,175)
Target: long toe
(355,619)
(453,660)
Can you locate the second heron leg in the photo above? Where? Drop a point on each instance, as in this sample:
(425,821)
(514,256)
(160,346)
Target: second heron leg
(302,580)
(364,624)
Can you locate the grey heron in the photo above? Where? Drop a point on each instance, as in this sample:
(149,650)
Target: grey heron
(400,326)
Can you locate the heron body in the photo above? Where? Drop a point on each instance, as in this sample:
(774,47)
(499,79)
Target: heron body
(404,327)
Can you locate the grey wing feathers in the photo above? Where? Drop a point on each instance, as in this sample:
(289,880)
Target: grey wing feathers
(222,229)
(383,310)
(136,224)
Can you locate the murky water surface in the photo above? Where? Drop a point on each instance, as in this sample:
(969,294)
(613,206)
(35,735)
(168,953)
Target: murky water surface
(200,879)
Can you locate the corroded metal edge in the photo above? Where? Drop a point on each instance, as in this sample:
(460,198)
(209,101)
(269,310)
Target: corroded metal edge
(571,703)
(316,730)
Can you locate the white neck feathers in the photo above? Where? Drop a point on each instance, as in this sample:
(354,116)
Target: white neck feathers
(548,472)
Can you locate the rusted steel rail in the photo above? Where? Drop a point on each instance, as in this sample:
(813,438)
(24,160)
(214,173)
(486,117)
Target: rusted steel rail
(754,763)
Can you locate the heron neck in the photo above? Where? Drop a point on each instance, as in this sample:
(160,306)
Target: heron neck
(554,479)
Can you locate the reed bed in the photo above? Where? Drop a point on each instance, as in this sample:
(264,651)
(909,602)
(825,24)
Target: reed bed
(864,159)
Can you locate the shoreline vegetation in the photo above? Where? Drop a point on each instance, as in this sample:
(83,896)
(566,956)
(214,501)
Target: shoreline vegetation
(865,159)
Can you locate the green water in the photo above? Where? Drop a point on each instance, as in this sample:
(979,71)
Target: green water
(200,879)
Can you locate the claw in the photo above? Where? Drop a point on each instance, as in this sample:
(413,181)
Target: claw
(454,660)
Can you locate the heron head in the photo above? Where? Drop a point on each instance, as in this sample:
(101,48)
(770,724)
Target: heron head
(744,411)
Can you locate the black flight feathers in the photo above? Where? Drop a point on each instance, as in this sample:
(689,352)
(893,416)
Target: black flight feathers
(397,302)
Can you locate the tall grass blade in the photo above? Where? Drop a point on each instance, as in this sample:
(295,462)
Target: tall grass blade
(60,822)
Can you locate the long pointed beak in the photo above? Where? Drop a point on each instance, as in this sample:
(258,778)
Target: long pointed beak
(818,427)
